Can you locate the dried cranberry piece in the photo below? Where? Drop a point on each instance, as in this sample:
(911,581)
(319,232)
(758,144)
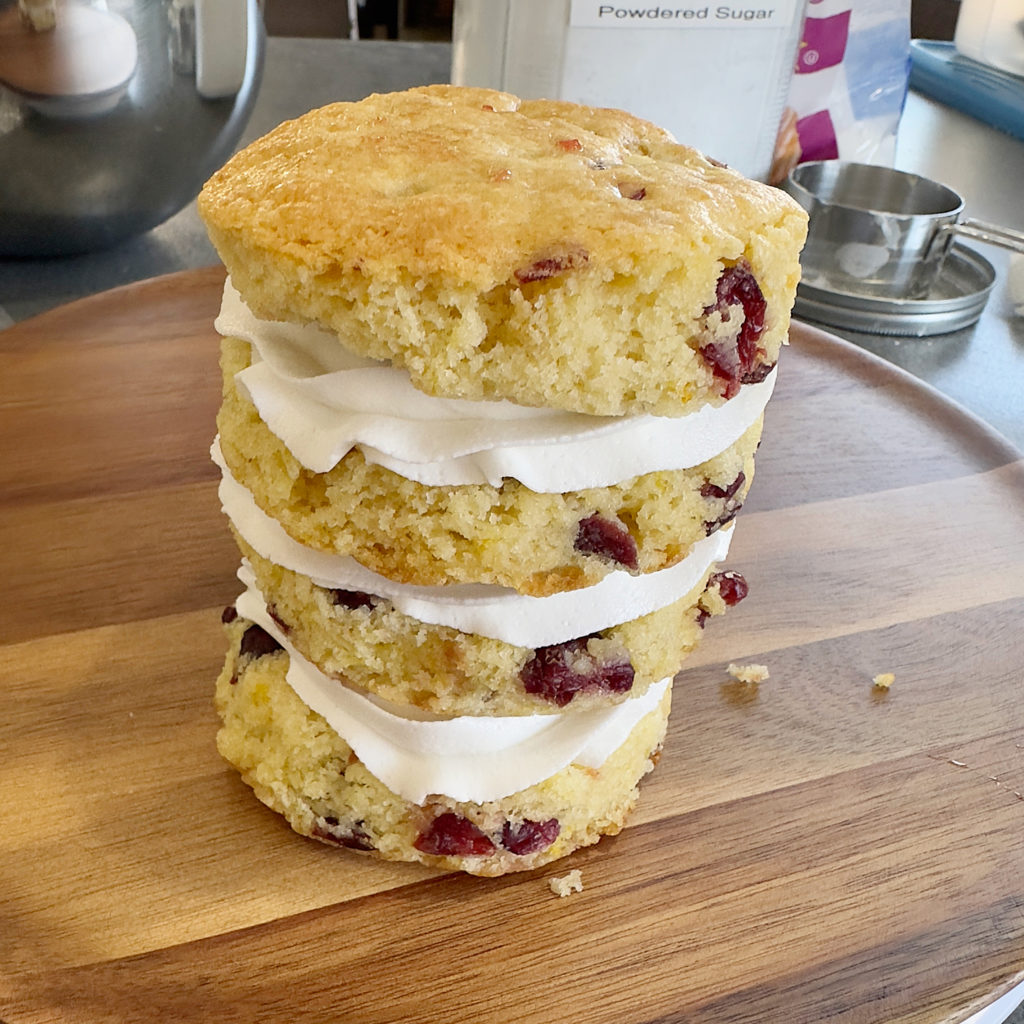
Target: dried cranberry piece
(731,585)
(710,490)
(352,599)
(615,677)
(723,365)
(351,839)
(550,672)
(727,494)
(736,362)
(738,286)
(450,835)
(729,513)
(529,836)
(557,673)
(569,145)
(757,374)
(596,535)
(552,265)
(278,621)
(256,642)
(229,614)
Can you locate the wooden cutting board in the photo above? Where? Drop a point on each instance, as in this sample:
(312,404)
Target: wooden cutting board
(810,849)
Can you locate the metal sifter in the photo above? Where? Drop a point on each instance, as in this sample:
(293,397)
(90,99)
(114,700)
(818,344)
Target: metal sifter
(880,255)
(877,231)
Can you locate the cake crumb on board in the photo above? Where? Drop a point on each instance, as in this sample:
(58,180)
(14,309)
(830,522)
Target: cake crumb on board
(565,885)
(747,673)
(883,681)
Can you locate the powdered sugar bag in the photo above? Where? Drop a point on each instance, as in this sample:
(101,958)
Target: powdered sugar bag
(849,84)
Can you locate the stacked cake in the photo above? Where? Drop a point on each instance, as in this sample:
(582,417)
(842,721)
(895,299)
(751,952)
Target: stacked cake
(494,377)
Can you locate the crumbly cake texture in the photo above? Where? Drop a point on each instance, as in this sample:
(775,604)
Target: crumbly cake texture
(299,766)
(751,674)
(366,641)
(566,885)
(509,535)
(538,251)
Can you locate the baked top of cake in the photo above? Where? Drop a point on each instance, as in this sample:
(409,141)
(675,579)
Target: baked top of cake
(535,250)
(476,185)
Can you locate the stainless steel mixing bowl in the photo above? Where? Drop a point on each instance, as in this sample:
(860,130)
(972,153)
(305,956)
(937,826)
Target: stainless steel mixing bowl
(111,121)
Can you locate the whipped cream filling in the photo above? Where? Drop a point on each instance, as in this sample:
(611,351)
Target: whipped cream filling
(497,612)
(476,759)
(321,401)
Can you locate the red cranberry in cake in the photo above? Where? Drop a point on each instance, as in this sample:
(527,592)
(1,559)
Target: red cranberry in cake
(278,621)
(559,672)
(527,837)
(552,264)
(738,360)
(710,490)
(608,538)
(256,642)
(728,515)
(731,585)
(731,504)
(352,599)
(450,835)
(330,830)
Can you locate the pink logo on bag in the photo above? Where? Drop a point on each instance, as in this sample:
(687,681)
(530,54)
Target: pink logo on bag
(823,43)
(817,137)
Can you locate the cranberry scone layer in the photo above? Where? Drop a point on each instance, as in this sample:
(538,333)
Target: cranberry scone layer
(538,251)
(509,535)
(300,766)
(367,641)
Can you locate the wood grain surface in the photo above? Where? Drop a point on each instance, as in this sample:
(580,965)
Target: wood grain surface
(810,849)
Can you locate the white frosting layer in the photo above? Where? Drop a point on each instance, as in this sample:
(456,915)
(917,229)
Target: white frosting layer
(496,612)
(469,758)
(322,401)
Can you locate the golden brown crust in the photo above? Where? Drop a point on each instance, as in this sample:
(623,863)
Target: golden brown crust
(475,185)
